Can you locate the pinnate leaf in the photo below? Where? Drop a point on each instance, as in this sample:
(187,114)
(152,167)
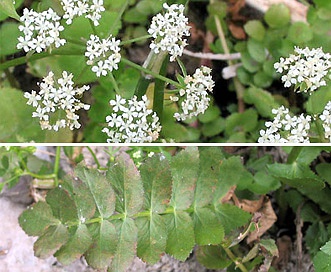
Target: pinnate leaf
(126,247)
(213,257)
(184,169)
(62,205)
(156,178)
(50,241)
(152,237)
(125,179)
(101,191)
(103,247)
(37,218)
(180,240)
(78,243)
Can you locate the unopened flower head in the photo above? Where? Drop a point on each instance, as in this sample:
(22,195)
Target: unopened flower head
(57,98)
(41,30)
(90,8)
(168,31)
(326,118)
(103,54)
(306,69)
(131,121)
(285,128)
(194,98)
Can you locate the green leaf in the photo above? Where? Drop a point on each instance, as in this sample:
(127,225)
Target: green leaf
(52,239)
(7,7)
(249,63)
(180,240)
(264,183)
(213,257)
(262,79)
(125,179)
(207,227)
(184,177)
(324,170)
(209,174)
(246,121)
(261,99)
(327,248)
(256,50)
(278,16)
(35,220)
(9,34)
(232,217)
(103,246)
(126,247)
(212,113)
(297,175)
(75,247)
(300,32)
(156,177)
(62,205)
(152,237)
(101,191)
(213,128)
(322,262)
(255,29)
(270,246)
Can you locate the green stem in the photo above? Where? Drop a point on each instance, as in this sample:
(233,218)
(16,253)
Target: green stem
(295,152)
(147,71)
(34,175)
(94,157)
(57,166)
(115,85)
(138,39)
(234,259)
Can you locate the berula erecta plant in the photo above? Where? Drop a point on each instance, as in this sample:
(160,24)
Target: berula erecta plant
(173,204)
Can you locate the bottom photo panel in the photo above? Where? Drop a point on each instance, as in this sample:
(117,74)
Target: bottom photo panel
(150,208)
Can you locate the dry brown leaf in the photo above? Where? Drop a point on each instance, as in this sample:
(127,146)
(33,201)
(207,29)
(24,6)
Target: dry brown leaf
(237,31)
(251,206)
(284,245)
(268,218)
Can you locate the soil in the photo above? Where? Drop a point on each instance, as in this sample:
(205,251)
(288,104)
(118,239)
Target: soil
(16,248)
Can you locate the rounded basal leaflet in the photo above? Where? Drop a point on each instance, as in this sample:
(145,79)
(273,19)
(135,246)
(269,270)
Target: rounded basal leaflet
(57,102)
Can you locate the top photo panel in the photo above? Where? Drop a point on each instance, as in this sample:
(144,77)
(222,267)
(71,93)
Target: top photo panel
(157,71)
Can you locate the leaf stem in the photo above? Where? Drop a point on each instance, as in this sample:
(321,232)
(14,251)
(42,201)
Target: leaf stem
(235,260)
(147,71)
(138,39)
(94,157)
(294,153)
(57,166)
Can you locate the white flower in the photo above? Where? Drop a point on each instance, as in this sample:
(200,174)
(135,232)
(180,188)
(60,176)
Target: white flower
(57,98)
(41,30)
(90,8)
(131,121)
(308,66)
(194,98)
(326,118)
(104,53)
(286,129)
(168,31)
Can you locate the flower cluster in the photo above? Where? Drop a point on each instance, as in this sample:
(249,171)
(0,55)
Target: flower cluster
(91,9)
(307,66)
(104,53)
(286,129)
(40,30)
(194,98)
(131,121)
(168,31)
(55,97)
(326,118)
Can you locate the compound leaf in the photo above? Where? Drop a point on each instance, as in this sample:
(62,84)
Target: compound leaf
(156,177)
(79,241)
(50,241)
(35,220)
(103,248)
(184,169)
(213,257)
(126,247)
(207,227)
(152,237)
(180,240)
(62,205)
(125,179)
(101,191)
